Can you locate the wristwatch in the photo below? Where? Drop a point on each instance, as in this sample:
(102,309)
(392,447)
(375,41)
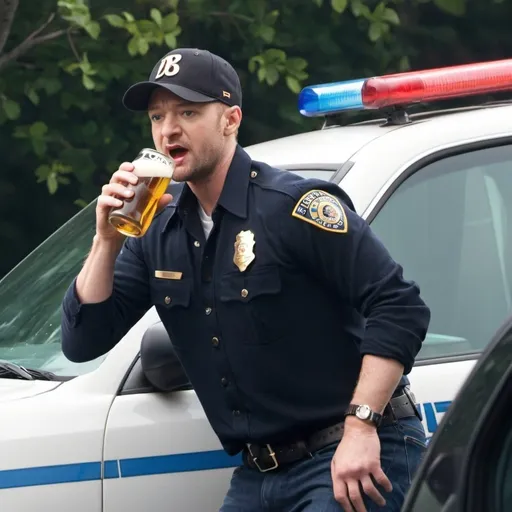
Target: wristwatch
(364,412)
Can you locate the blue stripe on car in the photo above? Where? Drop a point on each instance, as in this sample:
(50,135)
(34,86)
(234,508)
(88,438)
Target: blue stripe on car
(124,468)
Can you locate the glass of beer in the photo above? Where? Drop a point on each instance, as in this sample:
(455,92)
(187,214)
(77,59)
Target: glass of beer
(154,170)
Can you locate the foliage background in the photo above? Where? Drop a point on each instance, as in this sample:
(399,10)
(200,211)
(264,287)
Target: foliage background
(65,64)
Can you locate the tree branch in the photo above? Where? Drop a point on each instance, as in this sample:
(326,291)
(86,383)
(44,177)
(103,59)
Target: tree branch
(7,11)
(32,40)
(72,44)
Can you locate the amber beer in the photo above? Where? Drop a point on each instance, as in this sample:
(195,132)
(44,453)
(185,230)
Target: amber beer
(154,170)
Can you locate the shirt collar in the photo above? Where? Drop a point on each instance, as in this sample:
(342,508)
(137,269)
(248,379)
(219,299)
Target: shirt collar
(233,197)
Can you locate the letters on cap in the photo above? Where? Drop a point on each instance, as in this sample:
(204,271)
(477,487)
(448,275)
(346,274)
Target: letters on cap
(169,66)
(323,210)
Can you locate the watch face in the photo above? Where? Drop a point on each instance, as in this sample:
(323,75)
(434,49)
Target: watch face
(363,412)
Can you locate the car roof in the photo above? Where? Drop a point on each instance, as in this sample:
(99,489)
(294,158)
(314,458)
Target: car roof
(333,146)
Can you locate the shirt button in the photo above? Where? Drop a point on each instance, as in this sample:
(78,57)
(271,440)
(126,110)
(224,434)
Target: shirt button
(197,244)
(215,341)
(244,293)
(254,174)
(167,300)
(208,311)
(224,381)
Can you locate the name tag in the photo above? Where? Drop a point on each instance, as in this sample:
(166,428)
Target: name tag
(168,274)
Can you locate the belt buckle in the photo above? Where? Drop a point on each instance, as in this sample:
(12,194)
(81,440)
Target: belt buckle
(271,454)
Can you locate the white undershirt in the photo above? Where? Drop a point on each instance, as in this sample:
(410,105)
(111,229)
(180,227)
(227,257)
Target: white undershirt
(206,221)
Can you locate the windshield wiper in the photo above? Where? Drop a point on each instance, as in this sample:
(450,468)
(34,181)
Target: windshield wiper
(15,371)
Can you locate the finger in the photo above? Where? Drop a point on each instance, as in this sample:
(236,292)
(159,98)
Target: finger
(164,201)
(381,478)
(354,494)
(127,166)
(340,490)
(371,491)
(106,202)
(124,177)
(116,189)
(341,496)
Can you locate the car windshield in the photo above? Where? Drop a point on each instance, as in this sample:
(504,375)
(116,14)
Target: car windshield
(31,295)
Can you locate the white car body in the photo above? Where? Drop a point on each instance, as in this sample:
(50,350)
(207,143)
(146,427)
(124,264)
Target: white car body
(82,445)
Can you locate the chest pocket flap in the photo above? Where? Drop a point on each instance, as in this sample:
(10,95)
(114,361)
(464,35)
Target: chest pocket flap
(246,286)
(170,293)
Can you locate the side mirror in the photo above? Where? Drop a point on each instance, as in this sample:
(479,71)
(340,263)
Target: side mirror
(159,361)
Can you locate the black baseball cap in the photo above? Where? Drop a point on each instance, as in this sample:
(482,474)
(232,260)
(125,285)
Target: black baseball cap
(192,74)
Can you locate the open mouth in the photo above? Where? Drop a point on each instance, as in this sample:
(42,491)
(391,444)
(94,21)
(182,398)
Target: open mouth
(177,152)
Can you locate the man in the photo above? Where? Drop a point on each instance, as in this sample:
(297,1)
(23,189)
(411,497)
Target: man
(292,321)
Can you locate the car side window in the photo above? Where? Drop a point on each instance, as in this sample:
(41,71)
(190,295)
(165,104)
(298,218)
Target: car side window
(450,226)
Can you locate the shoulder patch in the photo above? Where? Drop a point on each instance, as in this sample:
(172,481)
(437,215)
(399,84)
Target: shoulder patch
(323,210)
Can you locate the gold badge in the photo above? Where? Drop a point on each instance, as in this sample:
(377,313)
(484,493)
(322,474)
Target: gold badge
(323,210)
(244,253)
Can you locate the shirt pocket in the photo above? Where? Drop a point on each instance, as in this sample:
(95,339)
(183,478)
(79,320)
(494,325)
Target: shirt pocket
(170,294)
(254,302)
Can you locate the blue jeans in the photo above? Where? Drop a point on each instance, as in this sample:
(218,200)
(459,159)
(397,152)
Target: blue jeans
(306,486)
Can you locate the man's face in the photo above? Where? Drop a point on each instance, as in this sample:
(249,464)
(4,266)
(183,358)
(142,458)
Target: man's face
(195,135)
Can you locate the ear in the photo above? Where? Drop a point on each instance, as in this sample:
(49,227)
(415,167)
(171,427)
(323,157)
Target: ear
(232,120)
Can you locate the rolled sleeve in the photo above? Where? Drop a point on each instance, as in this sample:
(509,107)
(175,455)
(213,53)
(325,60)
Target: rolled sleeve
(91,330)
(351,259)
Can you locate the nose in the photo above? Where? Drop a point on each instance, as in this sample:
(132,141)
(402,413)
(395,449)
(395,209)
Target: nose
(171,127)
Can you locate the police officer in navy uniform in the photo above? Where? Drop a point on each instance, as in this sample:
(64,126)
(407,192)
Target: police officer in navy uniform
(295,326)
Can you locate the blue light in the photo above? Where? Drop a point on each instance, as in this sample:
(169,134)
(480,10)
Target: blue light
(323,99)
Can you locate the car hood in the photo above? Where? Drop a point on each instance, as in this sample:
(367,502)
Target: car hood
(14,389)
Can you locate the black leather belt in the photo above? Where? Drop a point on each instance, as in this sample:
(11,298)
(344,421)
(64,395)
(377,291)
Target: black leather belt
(266,457)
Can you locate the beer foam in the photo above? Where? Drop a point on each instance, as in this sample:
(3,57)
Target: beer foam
(152,169)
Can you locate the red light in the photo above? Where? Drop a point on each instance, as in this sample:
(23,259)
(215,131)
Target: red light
(436,84)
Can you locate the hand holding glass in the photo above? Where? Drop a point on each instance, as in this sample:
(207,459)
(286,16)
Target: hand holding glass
(154,171)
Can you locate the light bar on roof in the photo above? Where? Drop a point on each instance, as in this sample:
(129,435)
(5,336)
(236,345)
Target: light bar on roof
(405,88)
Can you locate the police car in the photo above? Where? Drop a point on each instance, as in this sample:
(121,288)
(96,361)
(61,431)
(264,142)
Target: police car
(127,432)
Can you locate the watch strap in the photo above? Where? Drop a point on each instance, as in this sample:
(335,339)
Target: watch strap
(364,413)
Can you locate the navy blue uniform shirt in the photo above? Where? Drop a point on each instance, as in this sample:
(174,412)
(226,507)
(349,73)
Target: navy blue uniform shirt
(272,339)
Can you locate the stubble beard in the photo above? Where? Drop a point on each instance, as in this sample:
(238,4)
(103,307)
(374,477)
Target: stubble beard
(204,167)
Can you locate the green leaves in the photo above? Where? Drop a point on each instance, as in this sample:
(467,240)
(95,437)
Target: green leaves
(35,134)
(88,71)
(54,175)
(77,13)
(273,63)
(455,7)
(115,20)
(156,16)
(264,27)
(11,108)
(156,30)
(339,5)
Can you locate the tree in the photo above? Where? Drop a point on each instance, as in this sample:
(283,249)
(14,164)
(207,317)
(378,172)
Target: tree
(65,64)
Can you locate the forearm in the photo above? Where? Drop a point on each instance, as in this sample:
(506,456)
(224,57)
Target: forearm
(94,283)
(378,379)
(109,295)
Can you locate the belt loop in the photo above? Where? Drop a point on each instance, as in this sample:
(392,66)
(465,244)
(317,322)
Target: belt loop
(412,400)
(305,448)
(389,407)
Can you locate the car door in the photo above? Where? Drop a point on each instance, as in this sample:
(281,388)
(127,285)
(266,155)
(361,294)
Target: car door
(160,452)
(468,467)
(449,223)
